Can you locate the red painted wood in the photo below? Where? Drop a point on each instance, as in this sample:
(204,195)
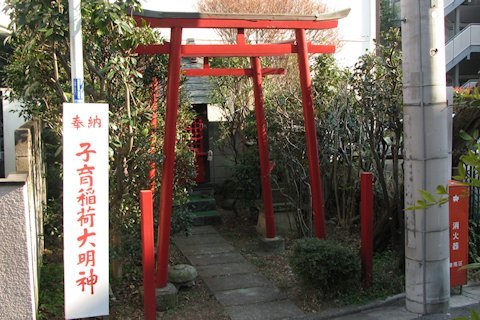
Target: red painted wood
(241,36)
(217,72)
(311,136)
(233,50)
(154,106)
(197,145)
(148,255)
(169,158)
(236,23)
(366,230)
(263,147)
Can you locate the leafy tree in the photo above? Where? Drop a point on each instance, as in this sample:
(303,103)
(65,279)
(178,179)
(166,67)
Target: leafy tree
(389,16)
(339,138)
(377,84)
(292,7)
(39,74)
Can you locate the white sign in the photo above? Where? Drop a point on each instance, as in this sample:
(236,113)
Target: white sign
(85,209)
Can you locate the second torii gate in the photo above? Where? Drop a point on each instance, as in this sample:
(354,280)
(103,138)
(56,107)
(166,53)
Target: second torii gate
(176,21)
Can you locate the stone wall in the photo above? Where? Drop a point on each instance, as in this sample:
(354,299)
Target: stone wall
(29,160)
(22,200)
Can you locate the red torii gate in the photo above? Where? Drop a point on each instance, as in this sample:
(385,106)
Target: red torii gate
(176,21)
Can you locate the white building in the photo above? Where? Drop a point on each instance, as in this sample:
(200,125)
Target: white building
(462,35)
(357,31)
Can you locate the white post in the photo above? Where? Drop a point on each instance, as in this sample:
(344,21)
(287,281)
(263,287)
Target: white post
(76,50)
(427,160)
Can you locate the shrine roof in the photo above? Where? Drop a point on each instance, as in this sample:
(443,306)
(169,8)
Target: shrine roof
(231,20)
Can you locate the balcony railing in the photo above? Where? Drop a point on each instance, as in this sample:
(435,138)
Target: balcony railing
(460,46)
(450,5)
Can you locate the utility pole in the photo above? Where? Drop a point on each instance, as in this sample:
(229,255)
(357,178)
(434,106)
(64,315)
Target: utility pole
(427,162)
(76,49)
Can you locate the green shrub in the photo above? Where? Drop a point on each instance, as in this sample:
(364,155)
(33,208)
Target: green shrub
(325,264)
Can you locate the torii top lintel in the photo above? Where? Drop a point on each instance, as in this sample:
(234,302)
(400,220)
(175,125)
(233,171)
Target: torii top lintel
(158,19)
(181,20)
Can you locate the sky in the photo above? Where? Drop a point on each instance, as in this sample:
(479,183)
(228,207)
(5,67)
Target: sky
(178,5)
(189,5)
(200,35)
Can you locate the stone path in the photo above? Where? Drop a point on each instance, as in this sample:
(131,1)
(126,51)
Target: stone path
(237,285)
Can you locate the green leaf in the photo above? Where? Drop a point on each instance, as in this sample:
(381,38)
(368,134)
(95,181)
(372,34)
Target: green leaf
(471,161)
(49,32)
(427,196)
(422,204)
(441,189)
(462,172)
(465,136)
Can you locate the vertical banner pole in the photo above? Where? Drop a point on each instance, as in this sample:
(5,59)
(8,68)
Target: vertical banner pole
(76,50)
(263,147)
(366,217)
(148,256)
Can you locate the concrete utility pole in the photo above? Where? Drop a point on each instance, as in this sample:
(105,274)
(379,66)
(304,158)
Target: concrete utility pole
(427,161)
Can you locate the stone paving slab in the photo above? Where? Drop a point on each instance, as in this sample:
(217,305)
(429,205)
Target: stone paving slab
(281,309)
(203,230)
(216,258)
(246,296)
(197,239)
(189,250)
(224,269)
(236,281)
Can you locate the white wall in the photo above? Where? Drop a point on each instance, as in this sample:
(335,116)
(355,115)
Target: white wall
(357,31)
(11,122)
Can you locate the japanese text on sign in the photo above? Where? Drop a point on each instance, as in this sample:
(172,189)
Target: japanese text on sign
(458,207)
(85,160)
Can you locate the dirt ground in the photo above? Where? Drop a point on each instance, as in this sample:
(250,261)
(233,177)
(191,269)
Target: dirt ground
(198,302)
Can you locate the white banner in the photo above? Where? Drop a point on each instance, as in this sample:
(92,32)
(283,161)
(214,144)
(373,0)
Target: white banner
(85,209)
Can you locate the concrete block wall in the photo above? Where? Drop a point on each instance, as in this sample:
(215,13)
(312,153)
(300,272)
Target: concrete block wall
(22,200)
(221,164)
(18,265)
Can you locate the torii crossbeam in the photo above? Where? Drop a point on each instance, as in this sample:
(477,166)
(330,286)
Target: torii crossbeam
(176,21)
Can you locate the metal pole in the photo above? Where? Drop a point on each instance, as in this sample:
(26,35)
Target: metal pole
(148,255)
(76,49)
(311,135)
(426,160)
(168,166)
(366,221)
(263,147)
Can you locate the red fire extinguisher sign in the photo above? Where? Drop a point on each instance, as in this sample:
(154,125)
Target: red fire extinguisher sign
(458,206)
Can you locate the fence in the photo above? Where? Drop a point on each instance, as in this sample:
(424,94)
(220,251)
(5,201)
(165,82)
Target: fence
(474,197)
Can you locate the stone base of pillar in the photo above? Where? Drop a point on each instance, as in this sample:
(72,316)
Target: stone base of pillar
(166,297)
(271,245)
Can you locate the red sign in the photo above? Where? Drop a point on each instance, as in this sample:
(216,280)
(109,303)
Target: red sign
(458,204)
